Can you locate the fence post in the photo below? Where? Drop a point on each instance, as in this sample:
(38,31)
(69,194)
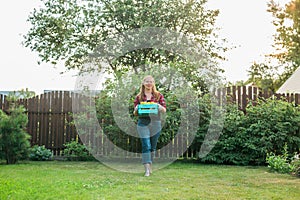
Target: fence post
(296,99)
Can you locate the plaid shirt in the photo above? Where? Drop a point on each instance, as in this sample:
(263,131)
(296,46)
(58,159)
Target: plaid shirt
(161,100)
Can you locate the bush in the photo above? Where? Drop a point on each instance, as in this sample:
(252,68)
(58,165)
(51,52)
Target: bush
(266,127)
(76,151)
(14,140)
(40,153)
(279,163)
(296,165)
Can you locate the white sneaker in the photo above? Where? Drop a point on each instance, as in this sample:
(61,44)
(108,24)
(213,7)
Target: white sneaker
(147,173)
(147,169)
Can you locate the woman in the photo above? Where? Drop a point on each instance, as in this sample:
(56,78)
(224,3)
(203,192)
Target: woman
(149,127)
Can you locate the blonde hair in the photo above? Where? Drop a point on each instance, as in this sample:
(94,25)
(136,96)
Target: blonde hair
(142,89)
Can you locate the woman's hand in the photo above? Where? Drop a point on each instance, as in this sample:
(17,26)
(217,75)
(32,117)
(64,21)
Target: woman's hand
(161,108)
(135,112)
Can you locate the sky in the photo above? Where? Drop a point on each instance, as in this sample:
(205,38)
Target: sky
(244,23)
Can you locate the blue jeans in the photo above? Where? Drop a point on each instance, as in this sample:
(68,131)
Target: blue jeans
(149,132)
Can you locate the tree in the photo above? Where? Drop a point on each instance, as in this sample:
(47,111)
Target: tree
(68,30)
(14,140)
(264,76)
(287,37)
(271,75)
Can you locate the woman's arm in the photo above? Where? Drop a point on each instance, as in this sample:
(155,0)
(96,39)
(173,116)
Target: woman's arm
(161,108)
(162,104)
(135,104)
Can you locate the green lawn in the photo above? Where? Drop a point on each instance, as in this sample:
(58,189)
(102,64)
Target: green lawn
(92,180)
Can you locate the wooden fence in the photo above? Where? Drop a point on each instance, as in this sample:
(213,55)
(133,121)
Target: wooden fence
(50,117)
(242,95)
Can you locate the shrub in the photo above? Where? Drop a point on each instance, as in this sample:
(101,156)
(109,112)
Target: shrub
(76,151)
(296,165)
(40,153)
(266,127)
(229,148)
(14,140)
(279,163)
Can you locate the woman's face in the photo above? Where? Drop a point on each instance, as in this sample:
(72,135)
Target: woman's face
(148,83)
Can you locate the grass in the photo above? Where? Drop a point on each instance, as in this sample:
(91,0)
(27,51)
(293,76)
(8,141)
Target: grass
(92,180)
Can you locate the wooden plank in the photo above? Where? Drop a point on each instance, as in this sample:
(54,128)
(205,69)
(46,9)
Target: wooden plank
(75,110)
(41,122)
(1,101)
(44,114)
(260,94)
(287,97)
(35,121)
(170,147)
(234,94)
(229,95)
(100,140)
(244,98)
(105,144)
(26,103)
(239,97)
(219,96)
(6,104)
(292,98)
(297,99)
(53,122)
(65,112)
(57,113)
(255,95)
(174,146)
(223,97)
(30,129)
(68,110)
(60,124)
(250,94)
(73,131)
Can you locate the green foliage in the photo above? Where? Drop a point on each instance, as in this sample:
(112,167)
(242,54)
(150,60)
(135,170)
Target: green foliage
(76,151)
(109,126)
(267,126)
(230,147)
(295,163)
(21,94)
(71,29)
(279,163)
(287,37)
(14,141)
(119,137)
(277,123)
(171,121)
(264,76)
(271,75)
(40,153)
(205,108)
